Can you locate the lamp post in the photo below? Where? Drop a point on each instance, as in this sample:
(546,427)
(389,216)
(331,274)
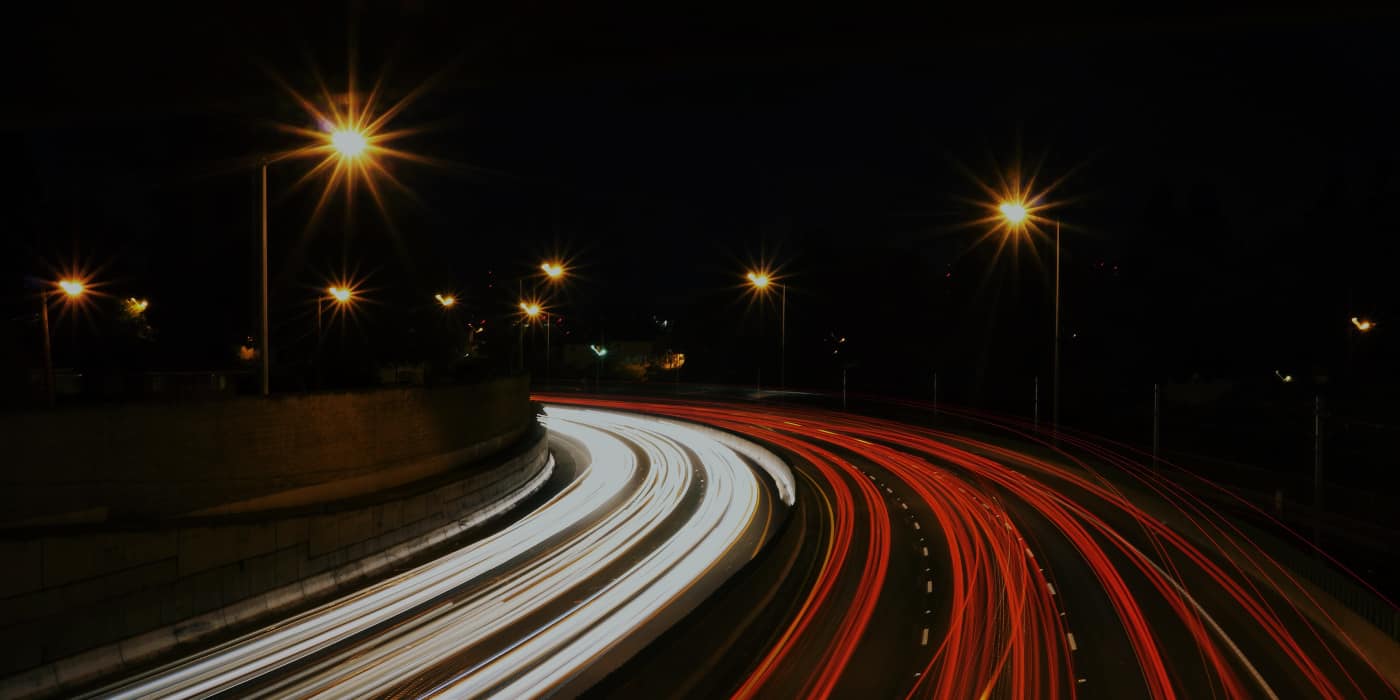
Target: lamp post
(1016,214)
(345,144)
(338,294)
(761,281)
(554,273)
(69,289)
(601,352)
(531,311)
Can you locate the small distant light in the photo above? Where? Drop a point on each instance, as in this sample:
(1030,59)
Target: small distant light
(1362,324)
(1285,378)
(759,279)
(137,307)
(447,301)
(553,270)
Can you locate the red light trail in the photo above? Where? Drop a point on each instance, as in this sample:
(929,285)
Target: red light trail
(1200,608)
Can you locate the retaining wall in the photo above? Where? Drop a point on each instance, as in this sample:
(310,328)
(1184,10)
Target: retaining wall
(145,462)
(78,605)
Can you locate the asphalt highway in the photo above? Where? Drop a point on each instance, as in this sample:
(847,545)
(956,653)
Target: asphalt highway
(657,515)
(1006,563)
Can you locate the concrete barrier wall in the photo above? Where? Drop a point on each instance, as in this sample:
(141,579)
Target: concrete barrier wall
(144,462)
(78,605)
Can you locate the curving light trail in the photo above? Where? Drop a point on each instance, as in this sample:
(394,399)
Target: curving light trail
(658,515)
(1057,569)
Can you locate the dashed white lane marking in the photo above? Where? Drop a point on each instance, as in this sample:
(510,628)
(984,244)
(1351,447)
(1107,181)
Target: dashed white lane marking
(1072,645)
(1051,586)
(916,525)
(925,551)
(904,506)
(1082,680)
(924,642)
(929,587)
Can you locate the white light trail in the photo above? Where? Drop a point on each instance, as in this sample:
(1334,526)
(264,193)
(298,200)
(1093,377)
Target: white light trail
(543,606)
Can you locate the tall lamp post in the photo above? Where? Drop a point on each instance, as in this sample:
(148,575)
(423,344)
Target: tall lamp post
(1016,215)
(601,352)
(69,289)
(761,281)
(531,310)
(345,144)
(554,273)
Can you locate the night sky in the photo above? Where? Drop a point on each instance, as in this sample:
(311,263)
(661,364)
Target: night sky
(1227,184)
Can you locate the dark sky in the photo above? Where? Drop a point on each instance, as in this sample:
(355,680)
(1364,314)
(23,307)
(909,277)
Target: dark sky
(1229,180)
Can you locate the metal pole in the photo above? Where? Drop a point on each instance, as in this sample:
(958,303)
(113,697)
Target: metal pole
(264,336)
(1156,424)
(1055,398)
(1035,402)
(316,356)
(782,341)
(49,393)
(1317,454)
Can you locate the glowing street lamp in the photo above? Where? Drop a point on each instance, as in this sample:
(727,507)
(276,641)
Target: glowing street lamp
(761,280)
(1016,213)
(341,295)
(553,270)
(349,143)
(531,310)
(1363,325)
(70,289)
(601,352)
(447,300)
(345,144)
(136,307)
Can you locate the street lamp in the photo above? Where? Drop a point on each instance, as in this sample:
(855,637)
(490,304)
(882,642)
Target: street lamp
(601,352)
(1362,324)
(761,281)
(531,310)
(554,272)
(136,307)
(69,289)
(340,294)
(447,300)
(345,144)
(1016,214)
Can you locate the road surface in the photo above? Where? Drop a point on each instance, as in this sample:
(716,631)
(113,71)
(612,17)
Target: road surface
(656,516)
(927,563)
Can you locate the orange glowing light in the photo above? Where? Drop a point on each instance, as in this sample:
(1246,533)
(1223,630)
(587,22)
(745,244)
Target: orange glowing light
(1014,212)
(136,307)
(760,280)
(553,270)
(1363,325)
(531,309)
(447,300)
(341,295)
(72,288)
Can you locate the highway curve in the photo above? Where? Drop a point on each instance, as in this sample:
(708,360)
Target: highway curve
(656,515)
(1002,564)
